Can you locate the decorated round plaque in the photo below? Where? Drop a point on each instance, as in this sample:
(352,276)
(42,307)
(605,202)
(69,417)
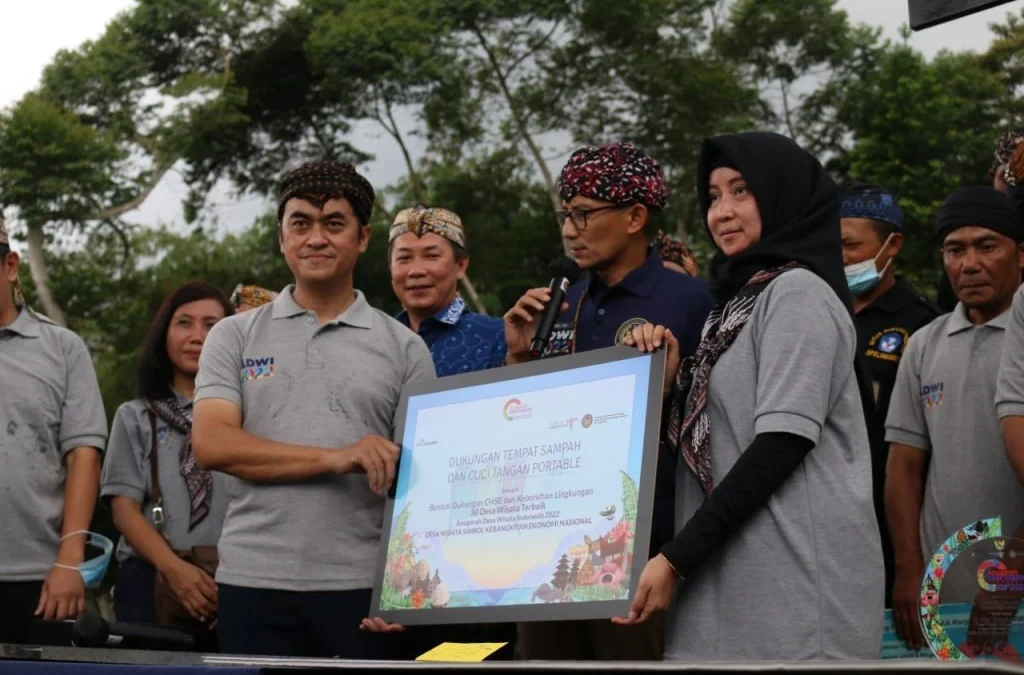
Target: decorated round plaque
(972,593)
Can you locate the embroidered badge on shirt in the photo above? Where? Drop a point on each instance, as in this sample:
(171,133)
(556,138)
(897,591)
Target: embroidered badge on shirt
(258,368)
(626,329)
(888,344)
(931,395)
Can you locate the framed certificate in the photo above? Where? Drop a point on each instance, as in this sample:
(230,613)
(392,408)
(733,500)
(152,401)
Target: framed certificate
(523,493)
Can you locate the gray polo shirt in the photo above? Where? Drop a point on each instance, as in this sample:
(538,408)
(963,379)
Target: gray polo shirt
(127,473)
(943,403)
(802,579)
(49,405)
(1010,382)
(301,382)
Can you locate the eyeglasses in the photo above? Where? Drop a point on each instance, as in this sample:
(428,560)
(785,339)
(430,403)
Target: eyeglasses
(579,216)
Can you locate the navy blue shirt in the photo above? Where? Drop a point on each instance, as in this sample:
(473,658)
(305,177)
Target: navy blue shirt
(651,293)
(462,341)
(654,294)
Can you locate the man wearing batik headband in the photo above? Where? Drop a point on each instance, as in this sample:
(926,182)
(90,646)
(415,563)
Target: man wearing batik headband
(54,429)
(295,401)
(610,194)
(886,313)
(427,258)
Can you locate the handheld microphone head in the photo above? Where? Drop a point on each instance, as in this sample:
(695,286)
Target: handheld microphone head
(564,272)
(90,630)
(565,268)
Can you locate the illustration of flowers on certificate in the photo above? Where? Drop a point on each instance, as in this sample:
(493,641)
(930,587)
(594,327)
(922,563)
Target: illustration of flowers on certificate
(545,512)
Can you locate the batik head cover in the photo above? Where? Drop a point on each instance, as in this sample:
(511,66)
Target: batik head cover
(320,182)
(618,173)
(422,220)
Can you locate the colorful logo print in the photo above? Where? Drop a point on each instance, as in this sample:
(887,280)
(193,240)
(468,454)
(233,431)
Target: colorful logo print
(515,410)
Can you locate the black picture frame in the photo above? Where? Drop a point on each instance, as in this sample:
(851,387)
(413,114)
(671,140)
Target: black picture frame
(652,416)
(928,13)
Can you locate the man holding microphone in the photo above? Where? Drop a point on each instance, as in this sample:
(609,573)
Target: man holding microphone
(610,194)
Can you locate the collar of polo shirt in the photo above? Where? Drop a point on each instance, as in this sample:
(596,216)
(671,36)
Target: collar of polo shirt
(25,325)
(642,280)
(358,315)
(958,321)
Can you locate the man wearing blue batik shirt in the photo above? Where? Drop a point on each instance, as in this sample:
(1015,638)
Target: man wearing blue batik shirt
(427,258)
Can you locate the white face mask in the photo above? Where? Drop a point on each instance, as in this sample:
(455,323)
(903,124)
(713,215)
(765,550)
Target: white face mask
(862,277)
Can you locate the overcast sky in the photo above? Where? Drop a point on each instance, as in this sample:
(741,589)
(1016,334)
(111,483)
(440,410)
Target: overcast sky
(31,33)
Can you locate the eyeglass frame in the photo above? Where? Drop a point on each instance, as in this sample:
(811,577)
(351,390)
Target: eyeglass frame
(562,215)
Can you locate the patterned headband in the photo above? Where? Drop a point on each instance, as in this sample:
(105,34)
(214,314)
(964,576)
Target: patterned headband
(320,182)
(1005,148)
(618,173)
(421,220)
(676,252)
(253,296)
(873,204)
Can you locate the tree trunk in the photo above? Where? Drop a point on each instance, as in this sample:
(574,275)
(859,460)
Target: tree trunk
(40,275)
(521,127)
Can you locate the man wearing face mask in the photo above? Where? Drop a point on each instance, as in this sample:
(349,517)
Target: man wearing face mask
(886,313)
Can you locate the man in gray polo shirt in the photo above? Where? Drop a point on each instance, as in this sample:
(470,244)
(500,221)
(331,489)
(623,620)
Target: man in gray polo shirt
(294,401)
(947,466)
(1010,387)
(52,431)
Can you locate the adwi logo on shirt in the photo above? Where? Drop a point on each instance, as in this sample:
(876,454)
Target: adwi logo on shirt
(515,410)
(931,395)
(258,368)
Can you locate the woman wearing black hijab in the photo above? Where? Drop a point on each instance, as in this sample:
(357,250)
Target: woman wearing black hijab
(779,555)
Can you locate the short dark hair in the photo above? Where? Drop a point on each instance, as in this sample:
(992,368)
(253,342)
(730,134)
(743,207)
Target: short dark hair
(4,249)
(155,371)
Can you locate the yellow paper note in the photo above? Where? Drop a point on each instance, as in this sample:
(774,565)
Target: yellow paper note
(461,652)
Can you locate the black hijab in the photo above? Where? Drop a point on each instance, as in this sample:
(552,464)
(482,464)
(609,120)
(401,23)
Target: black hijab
(799,205)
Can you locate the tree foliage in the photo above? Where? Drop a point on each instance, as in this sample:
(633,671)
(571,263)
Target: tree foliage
(482,98)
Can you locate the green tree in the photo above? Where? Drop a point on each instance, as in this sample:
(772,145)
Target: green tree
(113,116)
(1005,59)
(922,128)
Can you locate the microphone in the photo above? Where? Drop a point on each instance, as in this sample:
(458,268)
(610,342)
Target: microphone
(564,272)
(90,630)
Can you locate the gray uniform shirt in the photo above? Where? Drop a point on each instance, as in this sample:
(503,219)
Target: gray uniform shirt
(1010,381)
(328,386)
(803,578)
(49,405)
(944,404)
(127,473)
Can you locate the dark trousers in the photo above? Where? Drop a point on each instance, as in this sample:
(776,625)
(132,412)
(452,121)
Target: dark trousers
(325,624)
(595,640)
(18,601)
(134,602)
(133,592)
